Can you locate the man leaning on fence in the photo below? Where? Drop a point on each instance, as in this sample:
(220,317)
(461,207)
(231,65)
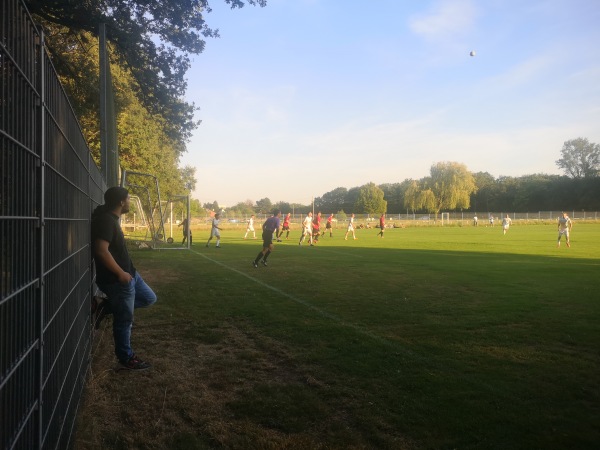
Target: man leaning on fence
(116,276)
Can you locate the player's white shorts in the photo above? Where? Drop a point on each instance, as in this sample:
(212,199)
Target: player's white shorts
(350,227)
(250,228)
(216,233)
(564,233)
(506,227)
(307,230)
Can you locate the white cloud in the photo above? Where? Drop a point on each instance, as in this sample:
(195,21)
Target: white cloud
(447,19)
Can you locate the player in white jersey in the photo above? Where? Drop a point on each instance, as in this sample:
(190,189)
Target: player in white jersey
(350,228)
(564,228)
(506,224)
(215,231)
(250,227)
(307,229)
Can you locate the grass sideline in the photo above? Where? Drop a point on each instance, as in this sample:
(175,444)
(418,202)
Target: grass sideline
(430,338)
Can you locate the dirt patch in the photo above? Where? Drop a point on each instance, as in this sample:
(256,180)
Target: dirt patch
(228,387)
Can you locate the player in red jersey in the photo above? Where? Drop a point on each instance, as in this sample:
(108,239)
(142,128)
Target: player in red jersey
(285,227)
(381,225)
(329,225)
(316,229)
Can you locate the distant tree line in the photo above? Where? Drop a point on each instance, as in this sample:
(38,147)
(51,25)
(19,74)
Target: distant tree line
(450,186)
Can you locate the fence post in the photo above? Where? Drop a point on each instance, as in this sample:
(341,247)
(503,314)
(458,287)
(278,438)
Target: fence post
(41,232)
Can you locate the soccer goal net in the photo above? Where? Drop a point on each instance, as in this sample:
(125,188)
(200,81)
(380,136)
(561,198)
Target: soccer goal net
(445,218)
(151,221)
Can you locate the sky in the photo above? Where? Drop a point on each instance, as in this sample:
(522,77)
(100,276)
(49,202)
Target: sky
(304,96)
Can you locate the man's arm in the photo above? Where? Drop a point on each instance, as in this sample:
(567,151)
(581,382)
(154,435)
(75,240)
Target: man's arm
(101,251)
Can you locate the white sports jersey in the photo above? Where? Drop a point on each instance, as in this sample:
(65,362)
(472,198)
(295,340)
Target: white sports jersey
(307,223)
(564,223)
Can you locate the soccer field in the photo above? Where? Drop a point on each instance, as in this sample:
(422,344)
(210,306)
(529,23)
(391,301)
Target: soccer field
(433,337)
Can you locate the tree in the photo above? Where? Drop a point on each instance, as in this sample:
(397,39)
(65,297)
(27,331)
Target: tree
(284,207)
(370,200)
(350,199)
(263,206)
(484,182)
(154,38)
(412,200)
(214,206)
(451,186)
(188,178)
(580,158)
(332,200)
(394,195)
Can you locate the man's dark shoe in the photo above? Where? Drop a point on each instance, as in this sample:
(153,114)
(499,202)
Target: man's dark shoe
(254,264)
(264,263)
(134,363)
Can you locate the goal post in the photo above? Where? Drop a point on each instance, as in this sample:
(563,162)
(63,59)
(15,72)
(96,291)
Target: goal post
(445,218)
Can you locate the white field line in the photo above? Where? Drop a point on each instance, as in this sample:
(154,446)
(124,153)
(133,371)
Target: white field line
(433,363)
(319,311)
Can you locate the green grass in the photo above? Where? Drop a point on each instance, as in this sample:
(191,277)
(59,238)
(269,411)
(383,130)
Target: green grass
(454,337)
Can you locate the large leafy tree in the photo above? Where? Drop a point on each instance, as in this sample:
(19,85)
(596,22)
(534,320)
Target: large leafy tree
(370,200)
(263,206)
(394,195)
(580,158)
(449,187)
(332,200)
(153,38)
(412,198)
(481,199)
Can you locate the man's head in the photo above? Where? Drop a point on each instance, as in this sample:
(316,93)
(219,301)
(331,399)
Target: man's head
(116,199)
(277,213)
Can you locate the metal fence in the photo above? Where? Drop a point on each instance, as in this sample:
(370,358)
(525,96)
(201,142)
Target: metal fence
(49,185)
(417,218)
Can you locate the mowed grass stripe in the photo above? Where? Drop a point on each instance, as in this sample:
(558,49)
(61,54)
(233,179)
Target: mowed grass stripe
(473,339)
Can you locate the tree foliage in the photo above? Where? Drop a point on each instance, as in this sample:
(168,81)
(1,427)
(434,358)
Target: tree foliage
(333,200)
(448,187)
(263,206)
(580,158)
(412,200)
(152,38)
(370,200)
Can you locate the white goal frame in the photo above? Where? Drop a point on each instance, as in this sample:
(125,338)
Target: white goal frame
(445,218)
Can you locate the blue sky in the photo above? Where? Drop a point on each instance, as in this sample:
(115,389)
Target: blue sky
(304,96)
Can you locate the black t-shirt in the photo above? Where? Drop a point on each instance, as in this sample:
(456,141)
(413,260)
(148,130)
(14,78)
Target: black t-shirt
(106,226)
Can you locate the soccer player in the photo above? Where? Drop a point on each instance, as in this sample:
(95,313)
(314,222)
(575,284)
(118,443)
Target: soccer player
(186,230)
(475,220)
(350,228)
(116,276)
(270,226)
(285,227)
(215,231)
(317,227)
(381,225)
(250,227)
(564,228)
(307,229)
(491,220)
(329,225)
(506,224)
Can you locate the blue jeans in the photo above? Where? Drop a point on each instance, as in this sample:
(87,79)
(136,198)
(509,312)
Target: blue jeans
(123,299)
